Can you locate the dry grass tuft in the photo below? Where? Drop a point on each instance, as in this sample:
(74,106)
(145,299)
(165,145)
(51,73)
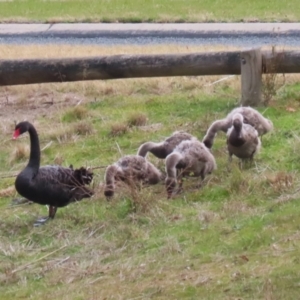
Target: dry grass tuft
(237,207)
(137,119)
(286,198)
(118,129)
(141,199)
(109,90)
(20,152)
(83,128)
(58,160)
(79,112)
(206,216)
(8,192)
(281,181)
(239,182)
(270,81)
(61,134)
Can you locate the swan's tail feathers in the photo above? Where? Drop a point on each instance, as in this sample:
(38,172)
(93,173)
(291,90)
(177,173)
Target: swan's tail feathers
(83,175)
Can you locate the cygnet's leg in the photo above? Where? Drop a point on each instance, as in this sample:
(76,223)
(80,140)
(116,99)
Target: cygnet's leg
(201,181)
(180,184)
(229,162)
(180,180)
(170,184)
(251,159)
(246,162)
(42,221)
(241,164)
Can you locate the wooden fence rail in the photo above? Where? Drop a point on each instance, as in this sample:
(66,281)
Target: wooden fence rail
(117,66)
(249,63)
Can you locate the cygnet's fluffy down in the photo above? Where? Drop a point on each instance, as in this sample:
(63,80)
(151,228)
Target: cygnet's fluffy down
(189,158)
(130,169)
(164,148)
(251,117)
(242,139)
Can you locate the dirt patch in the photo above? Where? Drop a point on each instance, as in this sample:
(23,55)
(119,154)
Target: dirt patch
(31,104)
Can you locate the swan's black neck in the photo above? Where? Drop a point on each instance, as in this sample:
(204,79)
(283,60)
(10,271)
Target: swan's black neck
(35,152)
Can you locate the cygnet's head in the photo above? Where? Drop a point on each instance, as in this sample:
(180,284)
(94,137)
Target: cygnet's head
(237,121)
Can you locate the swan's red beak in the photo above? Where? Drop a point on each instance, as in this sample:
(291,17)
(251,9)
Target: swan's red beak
(16,133)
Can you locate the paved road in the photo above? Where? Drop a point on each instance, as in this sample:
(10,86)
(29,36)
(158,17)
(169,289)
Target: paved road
(117,29)
(246,34)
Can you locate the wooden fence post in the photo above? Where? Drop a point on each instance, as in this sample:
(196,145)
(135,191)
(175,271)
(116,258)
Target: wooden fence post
(251,77)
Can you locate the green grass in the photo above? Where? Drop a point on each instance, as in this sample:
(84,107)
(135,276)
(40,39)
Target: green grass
(149,11)
(238,237)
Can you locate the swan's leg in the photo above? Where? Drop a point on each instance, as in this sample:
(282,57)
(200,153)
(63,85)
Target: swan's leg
(42,221)
(52,211)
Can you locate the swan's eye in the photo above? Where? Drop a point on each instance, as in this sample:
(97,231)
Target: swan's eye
(16,133)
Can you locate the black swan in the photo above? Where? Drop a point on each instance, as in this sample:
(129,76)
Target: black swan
(163,149)
(251,117)
(242,139)
(55,186)
(130,169)
(189,158)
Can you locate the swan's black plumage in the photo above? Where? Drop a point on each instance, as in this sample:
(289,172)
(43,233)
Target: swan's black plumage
(55,186)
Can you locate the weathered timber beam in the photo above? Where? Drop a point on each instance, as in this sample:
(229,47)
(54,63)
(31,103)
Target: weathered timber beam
(281,62)
(28,71)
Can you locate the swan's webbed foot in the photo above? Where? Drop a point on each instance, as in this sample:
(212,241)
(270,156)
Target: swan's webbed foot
(42,221)
(19,201)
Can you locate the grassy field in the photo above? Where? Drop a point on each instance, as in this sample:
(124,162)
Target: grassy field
(238,237)
(149,11)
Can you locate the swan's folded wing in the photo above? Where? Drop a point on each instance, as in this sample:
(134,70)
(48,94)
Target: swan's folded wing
(57,175)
